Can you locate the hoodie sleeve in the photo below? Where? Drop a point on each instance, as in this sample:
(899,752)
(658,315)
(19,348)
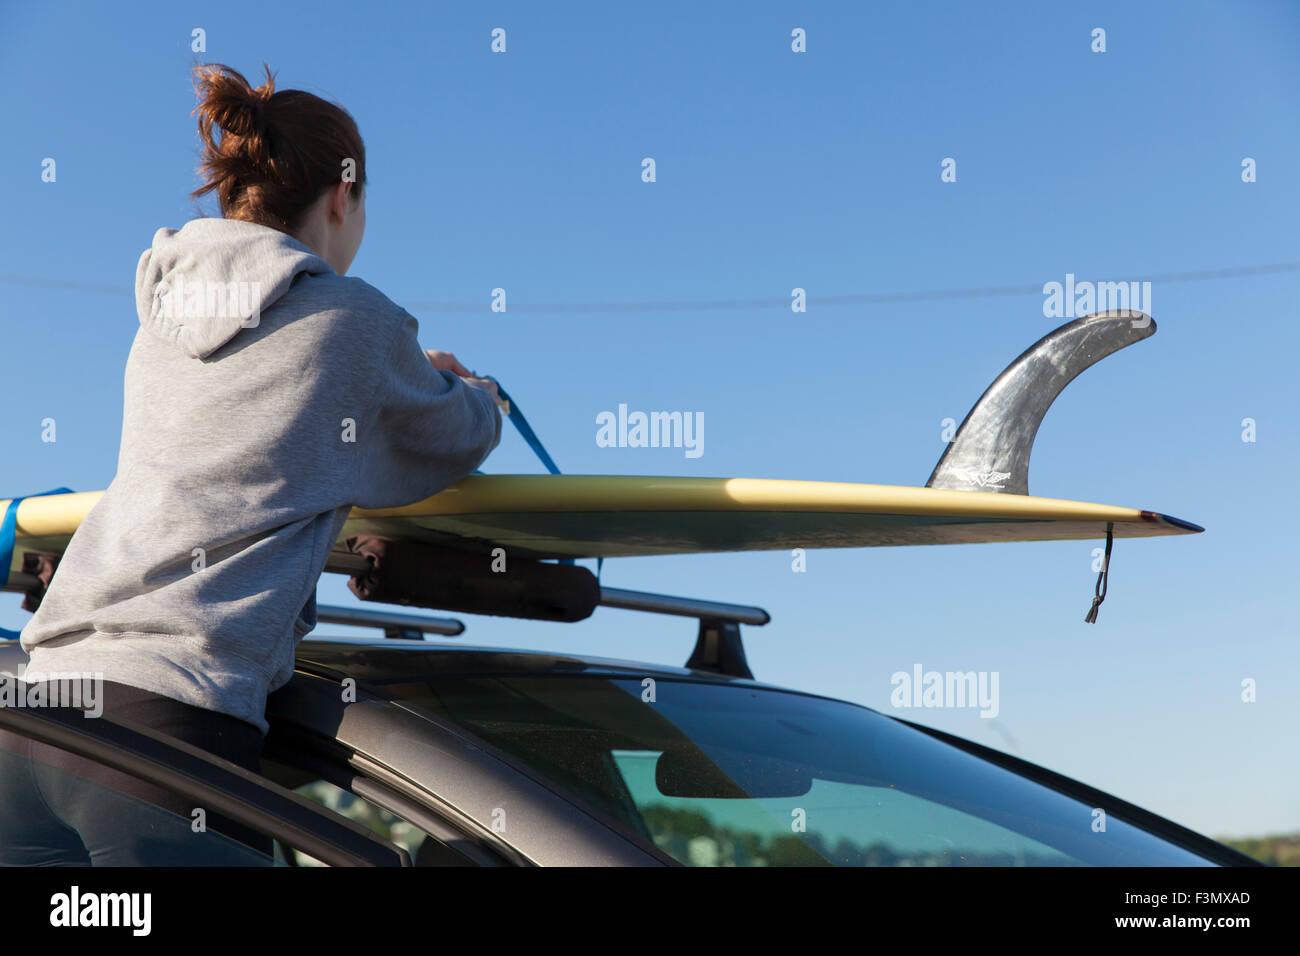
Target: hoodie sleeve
(427,430)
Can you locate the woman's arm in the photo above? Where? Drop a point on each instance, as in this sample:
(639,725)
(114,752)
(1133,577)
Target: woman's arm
(429,426)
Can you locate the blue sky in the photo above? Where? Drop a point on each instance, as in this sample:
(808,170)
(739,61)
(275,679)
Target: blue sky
(778,170)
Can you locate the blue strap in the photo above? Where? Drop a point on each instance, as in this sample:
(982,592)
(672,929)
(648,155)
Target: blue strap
(516,415)
(8,535)
(525,430)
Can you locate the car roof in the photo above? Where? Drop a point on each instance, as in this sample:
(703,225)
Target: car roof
(393,658)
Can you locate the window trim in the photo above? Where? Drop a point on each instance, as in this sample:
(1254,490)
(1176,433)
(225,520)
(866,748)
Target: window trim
(336,765)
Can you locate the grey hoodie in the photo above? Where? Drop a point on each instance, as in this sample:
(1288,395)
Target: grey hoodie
(265,395)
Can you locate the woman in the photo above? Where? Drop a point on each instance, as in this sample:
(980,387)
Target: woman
(265,395)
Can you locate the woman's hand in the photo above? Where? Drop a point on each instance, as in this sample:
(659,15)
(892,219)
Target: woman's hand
(446,362)
(490,387)
(486,384)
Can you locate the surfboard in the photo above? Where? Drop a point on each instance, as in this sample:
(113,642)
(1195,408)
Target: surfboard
(590,516)
(978,492)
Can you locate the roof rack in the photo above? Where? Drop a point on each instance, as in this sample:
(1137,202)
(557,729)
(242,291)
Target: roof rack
(395,624)
(682,606)
(718,645)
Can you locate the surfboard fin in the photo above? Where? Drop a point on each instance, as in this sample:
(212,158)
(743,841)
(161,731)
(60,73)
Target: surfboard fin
(991,449)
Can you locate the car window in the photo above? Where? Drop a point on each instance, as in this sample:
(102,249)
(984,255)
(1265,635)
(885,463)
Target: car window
(58,807)
(705,831)
(53,816)
(387,825)
(722,774)
(292,770)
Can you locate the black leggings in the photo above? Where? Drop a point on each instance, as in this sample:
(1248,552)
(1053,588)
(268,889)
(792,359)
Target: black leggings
(59,809)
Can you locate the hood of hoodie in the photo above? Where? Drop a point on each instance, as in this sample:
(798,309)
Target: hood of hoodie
(196,287)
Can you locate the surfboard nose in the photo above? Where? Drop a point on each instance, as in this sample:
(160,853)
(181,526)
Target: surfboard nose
(1176,522)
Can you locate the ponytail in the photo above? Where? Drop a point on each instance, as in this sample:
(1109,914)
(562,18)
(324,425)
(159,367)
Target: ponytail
(277,152)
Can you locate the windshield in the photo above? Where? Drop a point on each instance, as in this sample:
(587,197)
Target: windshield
(726,775)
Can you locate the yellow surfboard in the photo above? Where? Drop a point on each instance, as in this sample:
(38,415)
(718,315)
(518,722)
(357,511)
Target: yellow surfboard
(978,492)
(588,516)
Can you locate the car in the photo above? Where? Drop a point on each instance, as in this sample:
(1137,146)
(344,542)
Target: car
(400,750)
(404,751)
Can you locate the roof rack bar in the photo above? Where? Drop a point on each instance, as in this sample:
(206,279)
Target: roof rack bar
(685,607)
(395,624)
(616,597)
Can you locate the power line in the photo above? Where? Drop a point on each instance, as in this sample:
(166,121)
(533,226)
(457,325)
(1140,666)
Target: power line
(717,305)
(38,282)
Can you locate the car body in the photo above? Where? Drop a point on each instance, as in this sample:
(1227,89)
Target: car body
(412,752)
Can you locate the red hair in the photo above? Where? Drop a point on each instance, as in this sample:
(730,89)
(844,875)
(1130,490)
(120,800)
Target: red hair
(277,152)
